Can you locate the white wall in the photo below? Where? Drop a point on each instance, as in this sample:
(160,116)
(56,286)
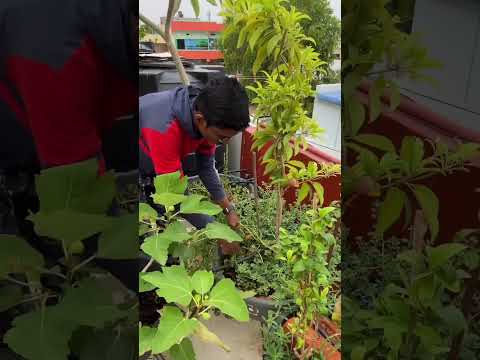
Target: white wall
(328,116)
(451,32)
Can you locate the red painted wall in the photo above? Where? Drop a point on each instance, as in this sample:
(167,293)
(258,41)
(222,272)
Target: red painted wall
(332,185)
(203,26)
(459,202)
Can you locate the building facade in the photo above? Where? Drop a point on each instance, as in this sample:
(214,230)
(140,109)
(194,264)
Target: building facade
(197,40)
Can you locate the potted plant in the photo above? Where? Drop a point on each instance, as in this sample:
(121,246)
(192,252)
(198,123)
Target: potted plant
(189,296)
(306,254)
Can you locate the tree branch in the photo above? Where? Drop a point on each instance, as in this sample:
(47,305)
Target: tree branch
(166,34)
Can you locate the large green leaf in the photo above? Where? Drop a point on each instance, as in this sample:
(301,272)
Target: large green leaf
(183,351)
(157,247)
(9,296)
(120,241)
(171,183)
(390,209)
(147,213)
(168,199)
(145,338)
(173,328)
(441,254)
(17,256)
(173,284)
(202,281)
(219,231)
(41,335)
(68,225)
(228,299)
(76,186)
(430,206)
(89,304)
(144,286)
(194,205)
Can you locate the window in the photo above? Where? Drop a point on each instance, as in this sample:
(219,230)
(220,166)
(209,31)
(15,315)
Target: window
(180,44)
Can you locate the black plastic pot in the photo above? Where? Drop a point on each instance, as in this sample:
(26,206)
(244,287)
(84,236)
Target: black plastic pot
(259,306)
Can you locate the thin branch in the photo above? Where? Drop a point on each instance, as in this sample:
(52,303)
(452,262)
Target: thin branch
(148,265)
(83,263)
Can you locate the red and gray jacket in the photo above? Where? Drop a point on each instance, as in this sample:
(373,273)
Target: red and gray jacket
(67,71)
(168,135)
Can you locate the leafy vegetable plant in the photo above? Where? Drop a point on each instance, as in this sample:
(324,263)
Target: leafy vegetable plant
(62,305)
(190,297)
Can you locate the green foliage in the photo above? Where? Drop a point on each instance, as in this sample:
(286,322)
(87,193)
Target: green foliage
(73,205)
(307,253)
(416,316)
(275,342)
(189,297)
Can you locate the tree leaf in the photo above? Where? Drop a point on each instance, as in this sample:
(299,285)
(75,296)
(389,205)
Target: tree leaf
(120,241)
(390,209)
(207,336)
(441,254)
(375,102)
(260,59)
(10,295)
(168,199)
(173,328)
(47,333)
(17,256)
(303,192)
(213,2)
(412,152)
(395,97)
(429,203)
(356,112)
(184,350)
(217,231)
(377,141)
(173,284)
(193,204)
(319,190)
(69,226)
(227,298)
(196,7)
(145,337)
(202,281)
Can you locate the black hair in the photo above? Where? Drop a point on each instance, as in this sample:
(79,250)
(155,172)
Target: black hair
(224,104)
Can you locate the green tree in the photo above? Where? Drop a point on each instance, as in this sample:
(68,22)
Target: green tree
(324,29)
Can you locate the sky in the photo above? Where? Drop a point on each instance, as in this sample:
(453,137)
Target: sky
(155,9)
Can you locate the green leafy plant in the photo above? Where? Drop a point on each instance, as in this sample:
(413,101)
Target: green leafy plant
(416,317)
(307,254)
(61,304)
(189,297)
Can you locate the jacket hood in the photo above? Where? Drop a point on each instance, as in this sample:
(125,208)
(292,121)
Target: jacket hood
(182,108)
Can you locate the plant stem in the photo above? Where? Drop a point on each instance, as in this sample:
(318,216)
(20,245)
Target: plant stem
(83,263)
(148,265)
(17,282)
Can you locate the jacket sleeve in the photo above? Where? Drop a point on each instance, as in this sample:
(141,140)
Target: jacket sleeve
(163,148)
(206,171)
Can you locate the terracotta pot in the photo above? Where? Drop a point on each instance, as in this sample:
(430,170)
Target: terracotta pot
(316,342)
(229,248)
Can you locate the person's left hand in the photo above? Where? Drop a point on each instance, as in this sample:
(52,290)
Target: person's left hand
(233,220)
